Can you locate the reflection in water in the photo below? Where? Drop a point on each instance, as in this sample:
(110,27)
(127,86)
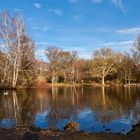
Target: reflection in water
(95,109)
(103,96)
(16,107)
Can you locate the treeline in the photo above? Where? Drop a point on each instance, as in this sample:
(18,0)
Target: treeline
(104,65)
(20,68)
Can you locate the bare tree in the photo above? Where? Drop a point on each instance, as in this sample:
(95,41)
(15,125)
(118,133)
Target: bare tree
(136,50)
(67,62)
(136,58)
(82,70)
(126,68)
(53,54)
(15,42)
(7,38)
(103,63)
(27,67)
(17,48)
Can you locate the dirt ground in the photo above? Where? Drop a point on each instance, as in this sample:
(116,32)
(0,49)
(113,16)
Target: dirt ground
(39,134)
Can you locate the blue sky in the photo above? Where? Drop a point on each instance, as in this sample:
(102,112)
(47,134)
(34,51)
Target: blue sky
(81,25)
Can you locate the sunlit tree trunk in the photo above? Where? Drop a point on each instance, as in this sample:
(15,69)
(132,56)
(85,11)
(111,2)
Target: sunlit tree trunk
(17,60)
(103,80)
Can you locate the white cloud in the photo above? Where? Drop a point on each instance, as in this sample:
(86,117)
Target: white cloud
(58,12)
(45,28)
(30,19)
(120,5)
(35,28)
(82,51)
(121,46)
(42,43)
(129,31)
(38,5)
(77,17)
(119,43)
(129,42)
(40,54)
(17,10)
(96,1)
(73,1)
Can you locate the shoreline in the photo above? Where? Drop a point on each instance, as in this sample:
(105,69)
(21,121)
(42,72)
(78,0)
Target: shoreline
(49,85)
(32,133)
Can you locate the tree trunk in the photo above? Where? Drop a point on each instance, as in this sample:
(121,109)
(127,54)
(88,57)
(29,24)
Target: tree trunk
(125,79)
(103,80)
(53,75)
(129,81)
(129,77)
(5,72)
(15,71)
(65,77)
(14,74)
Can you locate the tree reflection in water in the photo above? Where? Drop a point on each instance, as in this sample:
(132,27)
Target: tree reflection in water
(54,107)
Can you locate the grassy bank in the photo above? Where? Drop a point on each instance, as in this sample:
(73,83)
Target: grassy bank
(49,85)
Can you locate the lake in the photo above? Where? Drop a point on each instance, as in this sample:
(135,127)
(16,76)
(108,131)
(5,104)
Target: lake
(95,109)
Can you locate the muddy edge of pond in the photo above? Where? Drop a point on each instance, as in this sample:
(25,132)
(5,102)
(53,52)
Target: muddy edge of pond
(32,133)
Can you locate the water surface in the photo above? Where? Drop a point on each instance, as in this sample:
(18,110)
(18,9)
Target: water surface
(95,109)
